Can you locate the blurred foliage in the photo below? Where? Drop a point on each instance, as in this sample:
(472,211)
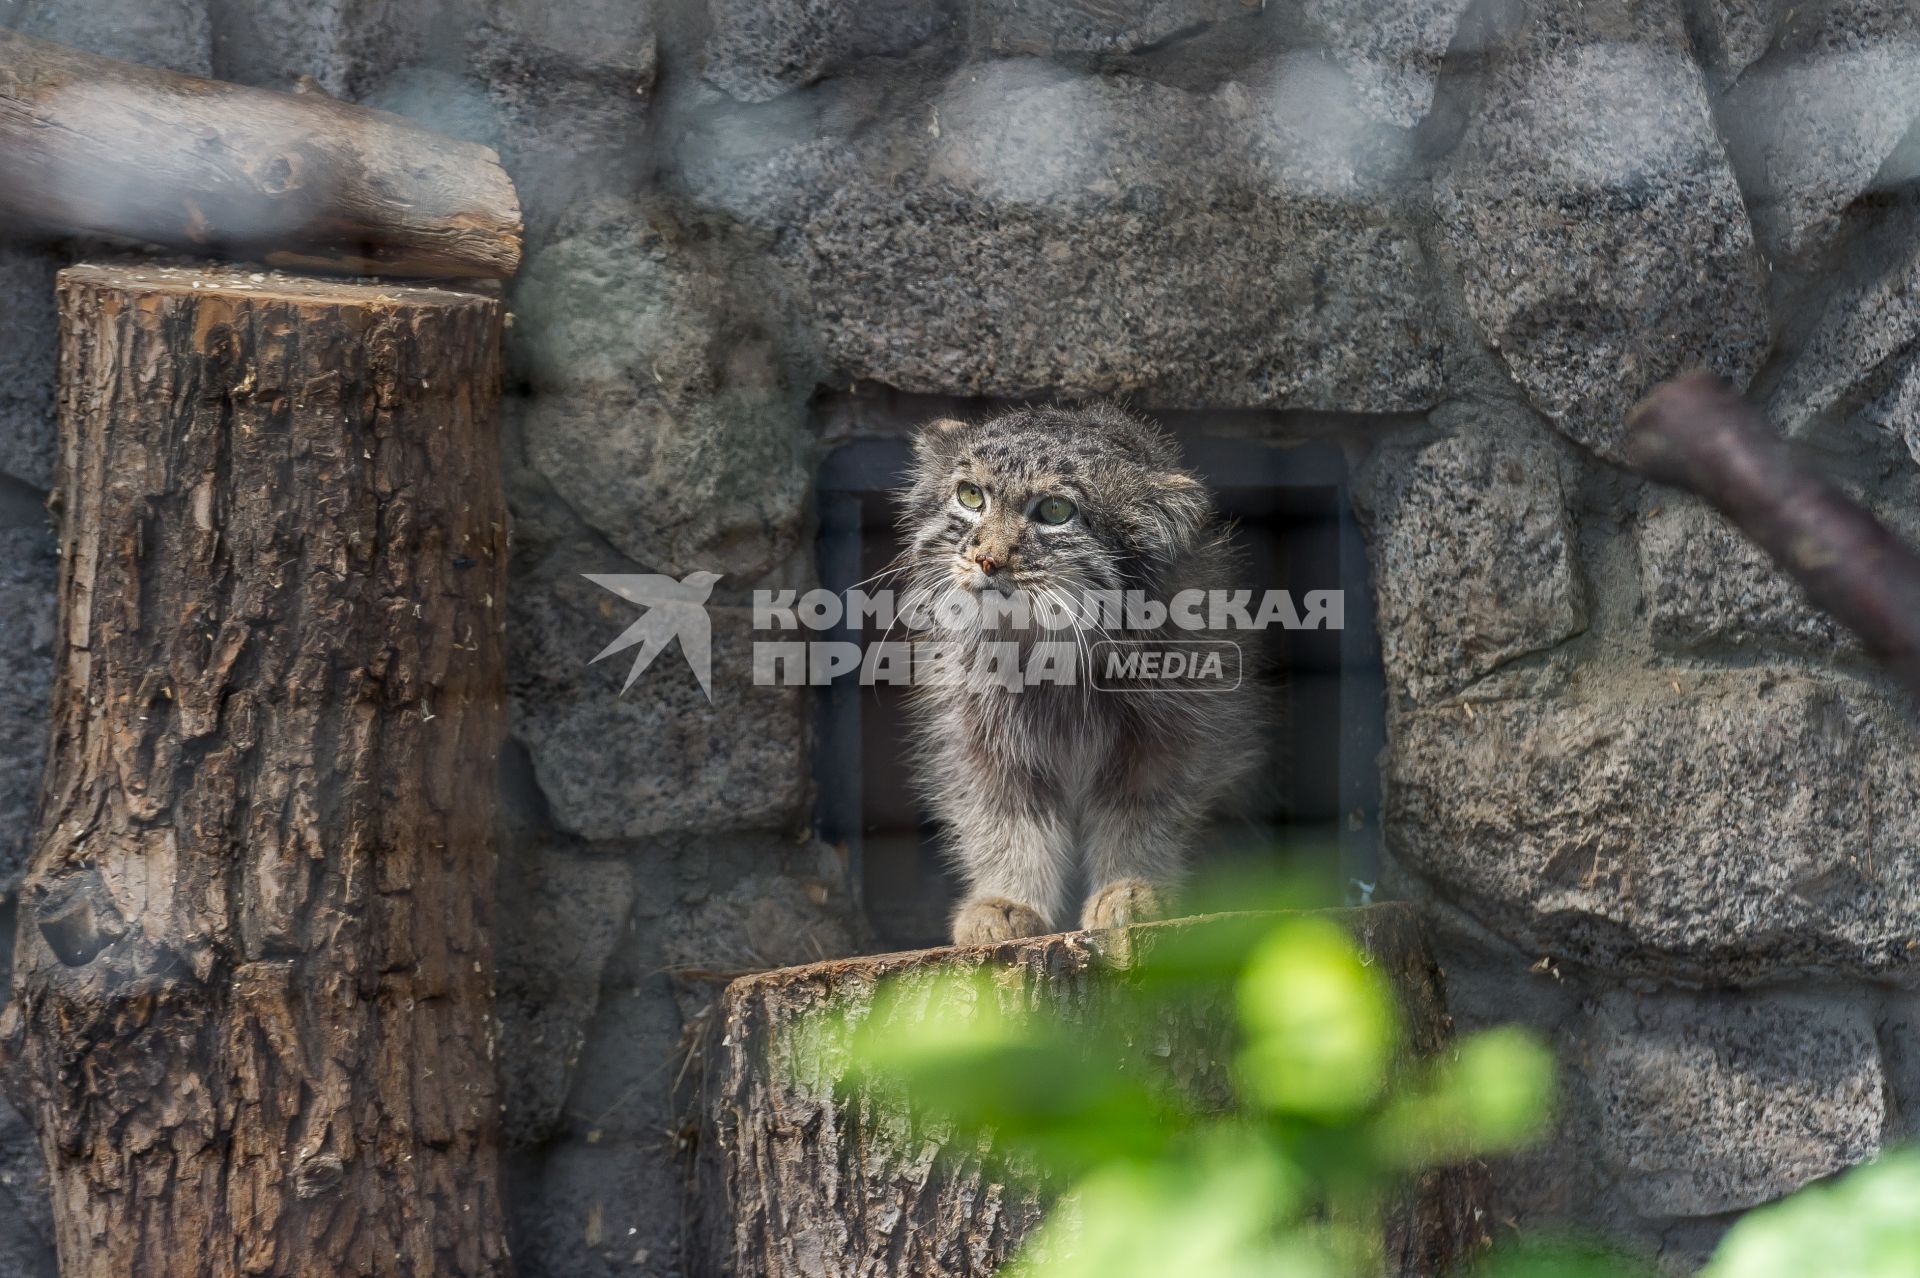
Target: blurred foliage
(1286,1162)
(1865,1224)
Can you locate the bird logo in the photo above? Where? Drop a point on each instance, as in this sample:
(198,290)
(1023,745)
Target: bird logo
(675,610)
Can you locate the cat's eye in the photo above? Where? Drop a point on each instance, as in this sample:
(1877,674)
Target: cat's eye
(1054,510)
(970,495)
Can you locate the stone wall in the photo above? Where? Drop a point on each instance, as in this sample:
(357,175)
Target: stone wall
(1653,802)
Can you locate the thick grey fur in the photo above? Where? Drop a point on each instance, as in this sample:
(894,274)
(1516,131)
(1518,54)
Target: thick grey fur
(1061,784)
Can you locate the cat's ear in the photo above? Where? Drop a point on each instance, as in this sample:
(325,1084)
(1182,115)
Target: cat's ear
(937,440)
(1182,509)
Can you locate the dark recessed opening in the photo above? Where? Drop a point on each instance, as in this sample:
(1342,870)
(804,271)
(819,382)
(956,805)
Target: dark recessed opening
(1314,794)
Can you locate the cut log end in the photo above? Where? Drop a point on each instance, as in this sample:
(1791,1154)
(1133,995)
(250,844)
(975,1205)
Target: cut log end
(243,282)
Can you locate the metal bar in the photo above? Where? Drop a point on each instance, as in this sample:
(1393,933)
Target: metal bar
(1363,725)
(839,802)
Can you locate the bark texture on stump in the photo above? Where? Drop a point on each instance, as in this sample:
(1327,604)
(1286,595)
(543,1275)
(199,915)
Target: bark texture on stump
(799,1178)
(252,1004)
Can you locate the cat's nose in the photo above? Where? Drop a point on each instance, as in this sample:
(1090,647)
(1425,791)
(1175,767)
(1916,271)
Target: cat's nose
(986,562)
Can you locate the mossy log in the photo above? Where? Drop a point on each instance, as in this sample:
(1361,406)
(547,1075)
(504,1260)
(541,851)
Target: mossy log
(800,1178)
(251,1014)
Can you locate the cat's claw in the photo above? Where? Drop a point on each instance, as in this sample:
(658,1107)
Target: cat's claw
(1121,902)
(988,919)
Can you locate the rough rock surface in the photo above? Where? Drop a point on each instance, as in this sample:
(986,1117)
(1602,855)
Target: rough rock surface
(1736,33)
(659,759)
(1711,1104)
(569,88)
(1093,26)
(27,363)
(1746,826)
(1393,50)
(604,1199)
(765,921)
(348,47)
(1895,408)
(1473,552)
(760,49)
(1705,583)
(26,1218)
(1601,240)
(1858,348)
(175,34)
(1812,125)
(26,669)
(657,412)
(1025,228)
(565,913)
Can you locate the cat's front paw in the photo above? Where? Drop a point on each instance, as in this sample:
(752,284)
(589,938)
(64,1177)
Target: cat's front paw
(987,919)
(1121,902)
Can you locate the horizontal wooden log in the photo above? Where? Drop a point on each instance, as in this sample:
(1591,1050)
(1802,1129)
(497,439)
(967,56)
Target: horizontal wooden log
(798,1177)
(91,145)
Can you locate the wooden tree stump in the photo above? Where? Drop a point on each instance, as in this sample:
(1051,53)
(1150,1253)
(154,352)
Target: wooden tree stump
(251,1017)
(800,1178)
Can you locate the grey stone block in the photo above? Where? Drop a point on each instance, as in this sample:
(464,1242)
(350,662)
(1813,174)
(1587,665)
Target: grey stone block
(1730,827)
(1704,583)
(1713,1104)
(175,34)
(657,413)
(760,49)
(348,47)
(763,921)
(1023,229)
(1736,33)
(561,916)
(1895,407)
(1601,240)
(659,759)
(1391,48)
(570,89)
(1813,125)
(608,1194)
(609,1208)
(1092,26)
(1860,349)
(1473,552)
(29,344)
(26,1211)
(27,618)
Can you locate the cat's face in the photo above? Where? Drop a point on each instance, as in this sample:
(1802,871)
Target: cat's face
(1048,502)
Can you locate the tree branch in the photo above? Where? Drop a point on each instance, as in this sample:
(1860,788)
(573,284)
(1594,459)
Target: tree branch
(1695,433)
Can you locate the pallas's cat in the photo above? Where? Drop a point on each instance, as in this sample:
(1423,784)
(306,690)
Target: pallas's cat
(1020,533)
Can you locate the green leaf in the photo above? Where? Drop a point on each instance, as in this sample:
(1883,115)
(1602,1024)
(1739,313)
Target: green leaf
(962,1051)
(1493,1093)
(1557,1258)
(1865,1224)
(1320,1024)
(1227,1207)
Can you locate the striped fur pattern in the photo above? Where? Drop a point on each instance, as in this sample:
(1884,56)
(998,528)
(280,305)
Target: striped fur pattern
(1062,800)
